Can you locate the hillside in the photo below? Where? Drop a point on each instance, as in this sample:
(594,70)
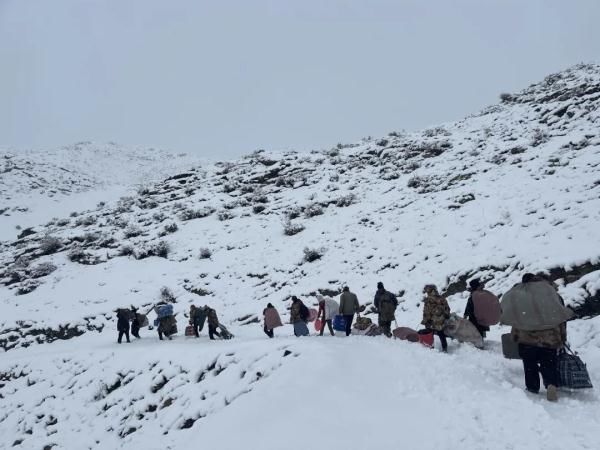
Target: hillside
(37,186)
(513,189)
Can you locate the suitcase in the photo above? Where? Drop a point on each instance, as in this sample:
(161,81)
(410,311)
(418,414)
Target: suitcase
(189,331)
(510,349)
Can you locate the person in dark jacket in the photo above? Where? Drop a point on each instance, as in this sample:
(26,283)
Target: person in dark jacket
(123,324)
(197,319)
(474,285)
(213,322)
(135,322)
(298,317)
(348,307)
(385,303)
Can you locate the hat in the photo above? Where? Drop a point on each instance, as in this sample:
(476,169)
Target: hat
(294,298)
(429,288)
(380,285)
(346,289)
(474,284)
(528,277)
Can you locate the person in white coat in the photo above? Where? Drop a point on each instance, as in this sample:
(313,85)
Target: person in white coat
(328,308)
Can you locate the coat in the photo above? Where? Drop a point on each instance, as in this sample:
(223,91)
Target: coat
(123,320)
(385,302)
(213,319)
(348,304)
(435,312)
(551,338)
(330,307)
(272,319)
(533,306)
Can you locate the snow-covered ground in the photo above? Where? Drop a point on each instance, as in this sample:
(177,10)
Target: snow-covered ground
(511,190)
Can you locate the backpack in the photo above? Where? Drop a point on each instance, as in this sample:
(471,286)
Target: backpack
(304,312)
(486,307)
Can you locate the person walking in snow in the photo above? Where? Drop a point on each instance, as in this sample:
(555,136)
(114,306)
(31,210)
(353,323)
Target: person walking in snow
(213,322)
(123,324)
(328,308)
(475,285)
(385,304)
(298,316)
(348,307)
(271,320)
(135,322)
(197,319)
(537,304)
(435,313)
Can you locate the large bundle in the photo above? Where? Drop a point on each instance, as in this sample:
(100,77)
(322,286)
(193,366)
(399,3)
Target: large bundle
(406,334)
(142,320)
(486,307)
(272,319)
(168,325)
(533,306)
(463,331)
(163,311)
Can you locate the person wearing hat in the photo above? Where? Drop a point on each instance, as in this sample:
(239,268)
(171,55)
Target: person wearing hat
(348,307)
(474,285)
(435,313)
(385,303)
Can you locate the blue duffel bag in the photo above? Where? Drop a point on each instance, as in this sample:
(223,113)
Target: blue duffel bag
(164,311)
(339,323)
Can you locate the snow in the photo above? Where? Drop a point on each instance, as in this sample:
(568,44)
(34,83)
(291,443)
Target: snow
(511,190)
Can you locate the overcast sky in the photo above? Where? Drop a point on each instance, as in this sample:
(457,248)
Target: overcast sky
(224,78)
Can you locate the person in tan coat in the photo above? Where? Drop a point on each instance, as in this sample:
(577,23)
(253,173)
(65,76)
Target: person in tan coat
(435,313)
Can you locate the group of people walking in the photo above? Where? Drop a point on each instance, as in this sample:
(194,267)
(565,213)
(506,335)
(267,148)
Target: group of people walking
(538,343)
(532,308)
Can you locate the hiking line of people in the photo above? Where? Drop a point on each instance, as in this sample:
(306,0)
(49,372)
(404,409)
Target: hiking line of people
(533,308)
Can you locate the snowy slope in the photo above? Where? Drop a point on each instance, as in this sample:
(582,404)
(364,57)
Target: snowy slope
(36,186)
(512,189)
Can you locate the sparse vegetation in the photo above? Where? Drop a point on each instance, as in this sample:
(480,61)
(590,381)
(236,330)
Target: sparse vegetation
(50,245)
(312,210)
(42,270)
(290,228)
(312,254)
(132,231)
(167,296)
(205,253)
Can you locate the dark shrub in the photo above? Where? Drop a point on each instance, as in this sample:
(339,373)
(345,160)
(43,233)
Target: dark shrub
(50,245)
(290,229)
(205,253)
(312,254)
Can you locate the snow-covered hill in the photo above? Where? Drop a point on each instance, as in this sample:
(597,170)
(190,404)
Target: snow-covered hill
(36,186)
(513,189)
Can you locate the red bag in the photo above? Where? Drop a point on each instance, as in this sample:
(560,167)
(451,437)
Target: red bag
(189,331)
(318,325)
(426,338)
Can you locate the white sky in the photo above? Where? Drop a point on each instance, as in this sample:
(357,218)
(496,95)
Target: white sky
(224,78)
